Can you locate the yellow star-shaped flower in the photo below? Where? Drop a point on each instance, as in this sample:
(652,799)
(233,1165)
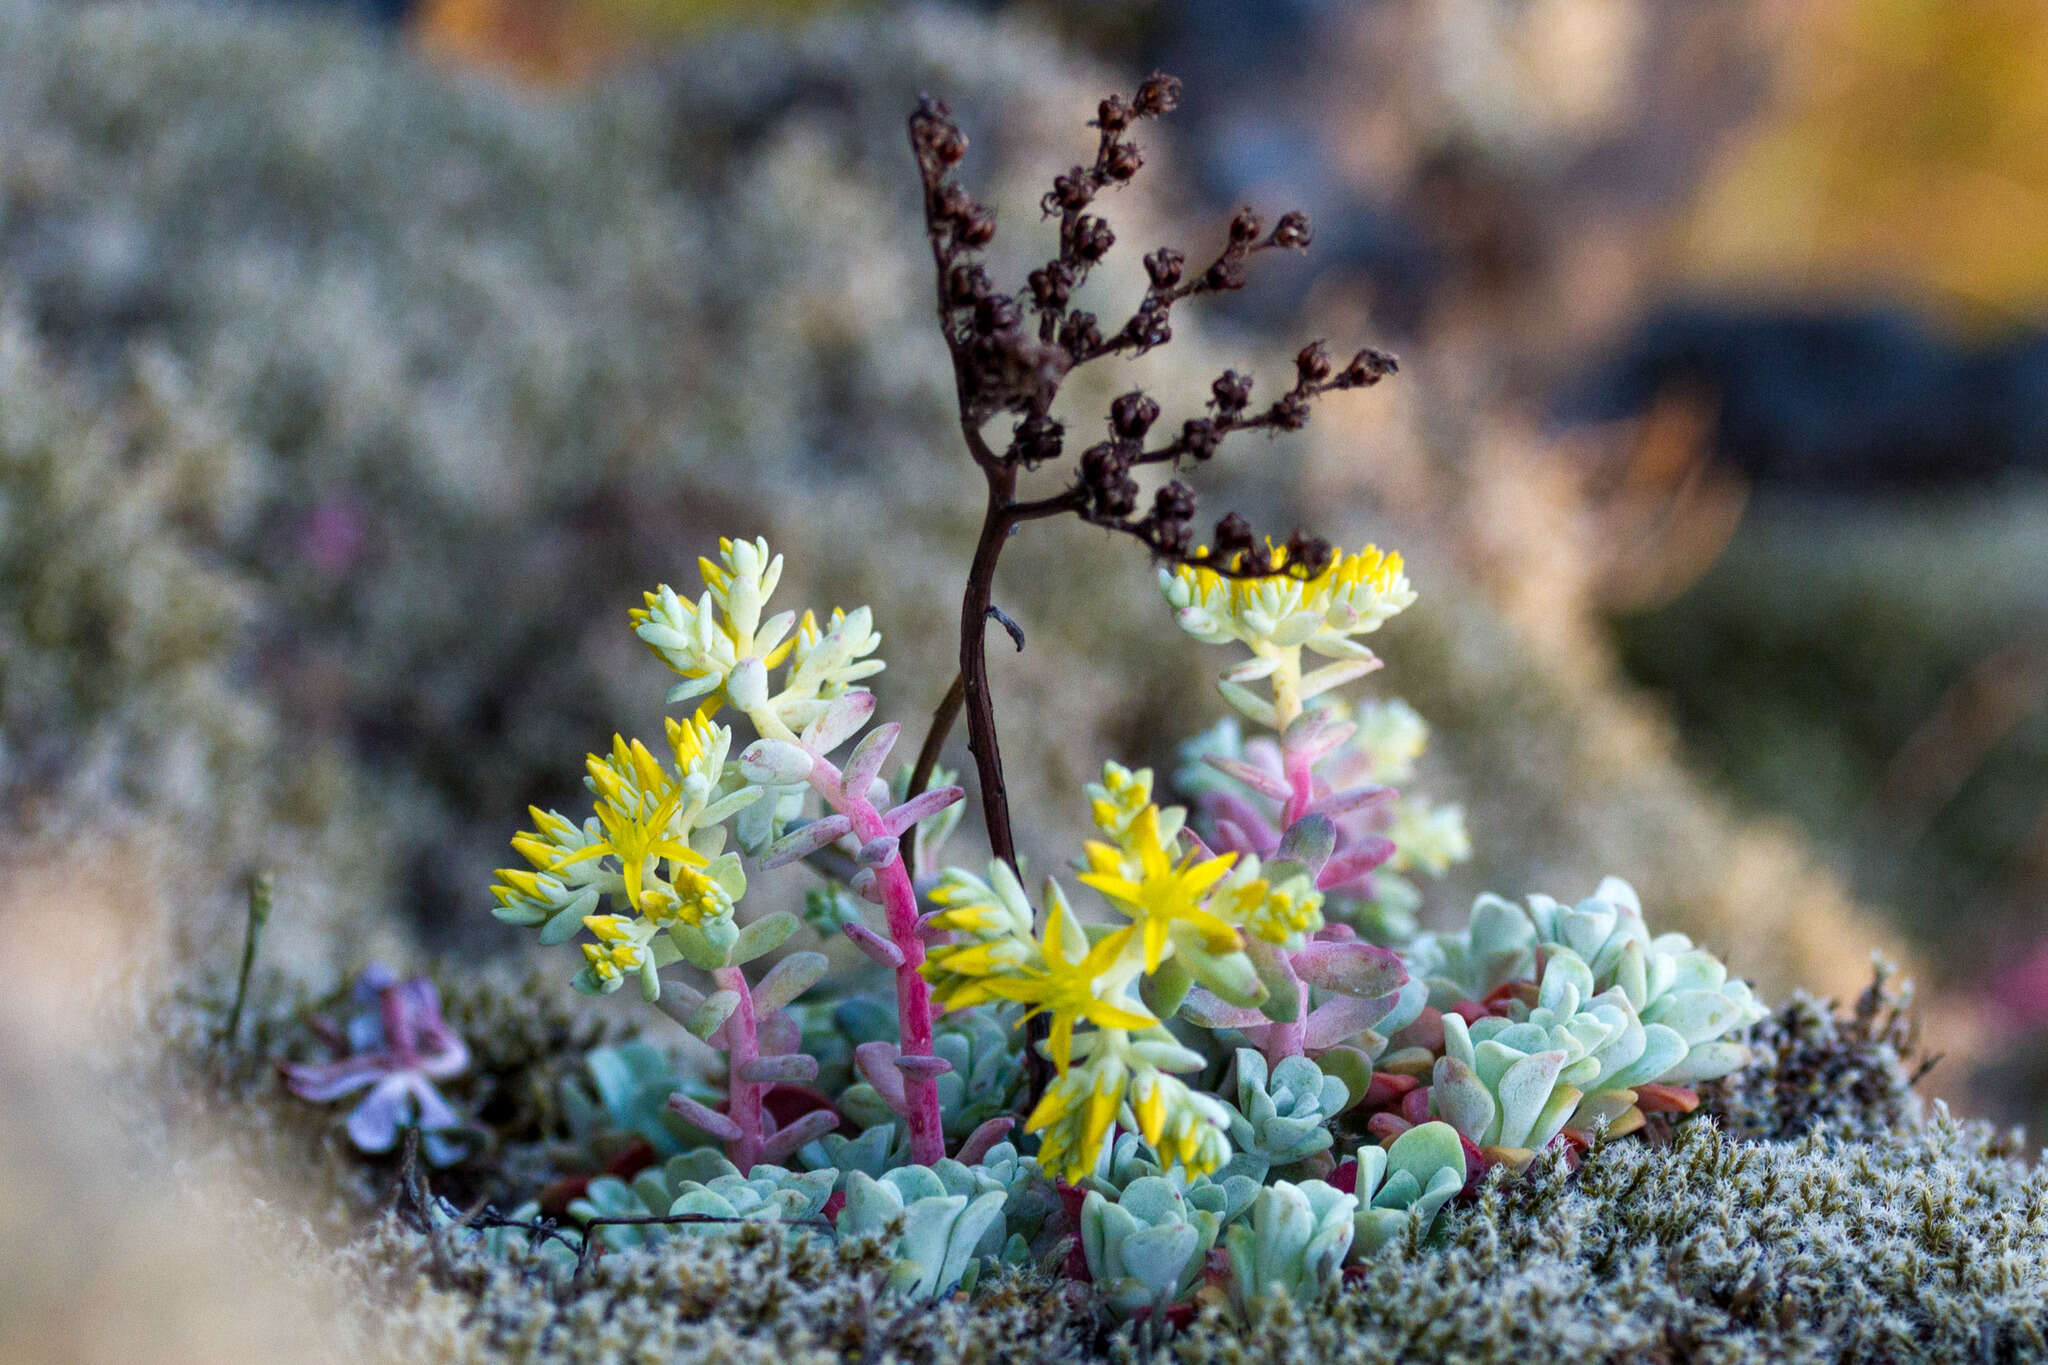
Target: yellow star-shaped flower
(1164,892)
(1066,987)
(637,803)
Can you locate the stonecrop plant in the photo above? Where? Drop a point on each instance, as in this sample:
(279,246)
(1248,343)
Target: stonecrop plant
(1209,1055)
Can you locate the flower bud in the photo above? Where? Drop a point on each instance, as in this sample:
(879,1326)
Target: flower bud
(1160,94)
(1132,415)
(1164,267)
(1312,363)
(1092,238)
(1293,231)
(1231,392)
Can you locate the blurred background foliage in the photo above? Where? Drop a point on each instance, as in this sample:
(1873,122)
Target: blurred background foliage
(360,362)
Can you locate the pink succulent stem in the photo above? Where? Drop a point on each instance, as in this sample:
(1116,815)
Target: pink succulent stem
(913,993)
(1287,1039)
(1301,784)
(743,1097)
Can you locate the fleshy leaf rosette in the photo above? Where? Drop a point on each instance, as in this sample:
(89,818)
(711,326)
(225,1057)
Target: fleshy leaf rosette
(1282,1116)
(1405,1184)
(1147,1247)
(1292,1242)
(950,1216)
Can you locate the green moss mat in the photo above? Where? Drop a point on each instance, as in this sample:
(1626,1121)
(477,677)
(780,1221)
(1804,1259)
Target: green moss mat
(1809,1213)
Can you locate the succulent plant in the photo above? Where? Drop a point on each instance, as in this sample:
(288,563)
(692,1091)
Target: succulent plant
(830,1029)
(1667,978)
(766,1193)
(627,1094)
(871,1153)
(950,1216)
(1147,1247)
(1130,1159)
(1239,785)
(1033,1199)
(1512,1082)
(1293,1242)
(1281,1119)
(1497,945)
(985,1074)
(701,1182)
(397,1046)
(1509,1087)
(1670,981)
(1405,1183)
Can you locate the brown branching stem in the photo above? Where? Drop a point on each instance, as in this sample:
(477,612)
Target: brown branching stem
(1003,366)
(974,689)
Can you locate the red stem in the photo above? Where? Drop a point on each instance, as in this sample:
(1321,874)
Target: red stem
(1301,786)
(743,1097)
(913,992)
(1286,1039)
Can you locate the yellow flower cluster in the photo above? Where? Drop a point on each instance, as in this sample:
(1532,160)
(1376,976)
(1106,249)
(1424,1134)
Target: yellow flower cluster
(723,648)
(1143,879)
(1184,905)
(1279,615)
(1123,1077)
(1063,974)
(1354,595)
(1284,914)
(652,848)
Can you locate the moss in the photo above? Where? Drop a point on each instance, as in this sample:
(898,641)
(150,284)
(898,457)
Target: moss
(1816,1071)
(1807,1214)
(751,1297)
(1926,1245)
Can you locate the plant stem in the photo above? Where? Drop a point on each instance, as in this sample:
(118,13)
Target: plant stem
(997,523)
(1286,688)
(980,706)
(743,1097)
(913,992)
(259,916)
(1301,787)
(1287,1039)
